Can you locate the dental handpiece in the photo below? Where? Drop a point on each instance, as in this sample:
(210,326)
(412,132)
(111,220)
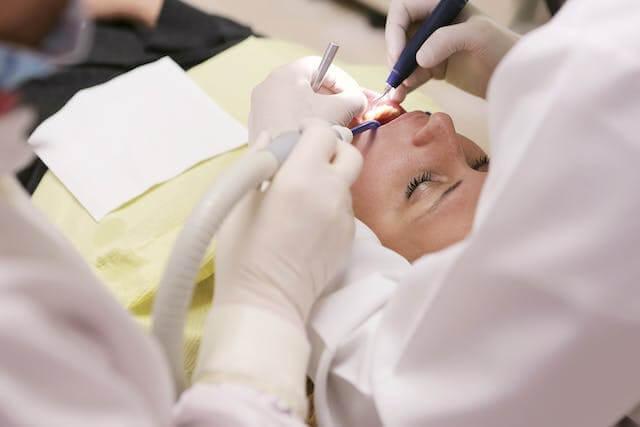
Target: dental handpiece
(444,14)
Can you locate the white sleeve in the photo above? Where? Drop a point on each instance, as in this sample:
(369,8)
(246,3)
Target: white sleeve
(78,360)
(534,320)
(71,356)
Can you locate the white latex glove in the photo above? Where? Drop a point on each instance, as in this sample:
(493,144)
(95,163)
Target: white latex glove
(277,253)
(285,98)
(280,248)
(465,53)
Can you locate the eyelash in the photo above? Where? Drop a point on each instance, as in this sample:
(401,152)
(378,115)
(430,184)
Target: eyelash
(416,181)
(480,162)
(426,176)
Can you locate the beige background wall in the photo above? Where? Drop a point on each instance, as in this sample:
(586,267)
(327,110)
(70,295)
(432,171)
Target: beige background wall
(315,23)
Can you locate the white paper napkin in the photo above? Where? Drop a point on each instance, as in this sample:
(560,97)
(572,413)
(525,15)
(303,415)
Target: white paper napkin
(113,142)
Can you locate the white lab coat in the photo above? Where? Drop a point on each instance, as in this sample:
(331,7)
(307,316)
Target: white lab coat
(534,320)
(70,356)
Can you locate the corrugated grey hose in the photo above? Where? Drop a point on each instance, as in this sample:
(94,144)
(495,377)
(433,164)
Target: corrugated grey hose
(176,287)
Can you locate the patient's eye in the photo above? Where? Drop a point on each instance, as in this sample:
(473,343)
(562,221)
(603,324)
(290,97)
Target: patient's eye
(481,164)
(416,181)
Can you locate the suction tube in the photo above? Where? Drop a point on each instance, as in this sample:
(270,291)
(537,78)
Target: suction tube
(176,287)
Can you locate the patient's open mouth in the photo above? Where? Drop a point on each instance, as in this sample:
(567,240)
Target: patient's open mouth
(384,112)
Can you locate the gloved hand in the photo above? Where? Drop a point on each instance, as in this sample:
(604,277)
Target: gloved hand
(277,253)
(285,98)
(280,249)
(465,54)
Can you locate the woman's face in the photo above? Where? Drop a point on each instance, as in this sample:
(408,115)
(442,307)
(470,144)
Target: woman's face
(420,183)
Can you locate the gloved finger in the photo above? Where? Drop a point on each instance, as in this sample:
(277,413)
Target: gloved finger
(439,72)
(445,42)
(342,107)
(337,80)
(391,60)
(347,99)
(399,94)
(301,72)
(347,162)
(402,13)
(317,144)
(415,80)
(419,77)
(344,133)
(395,31)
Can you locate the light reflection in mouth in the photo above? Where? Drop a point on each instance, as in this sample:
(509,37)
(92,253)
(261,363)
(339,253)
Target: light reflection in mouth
(384,112)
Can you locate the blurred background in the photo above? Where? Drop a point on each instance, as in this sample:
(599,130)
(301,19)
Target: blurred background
(358,27)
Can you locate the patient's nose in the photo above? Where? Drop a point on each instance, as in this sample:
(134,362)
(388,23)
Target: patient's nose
(438,129)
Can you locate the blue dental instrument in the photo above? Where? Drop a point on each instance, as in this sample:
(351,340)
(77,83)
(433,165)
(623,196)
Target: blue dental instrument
(444,14)
(365,126)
